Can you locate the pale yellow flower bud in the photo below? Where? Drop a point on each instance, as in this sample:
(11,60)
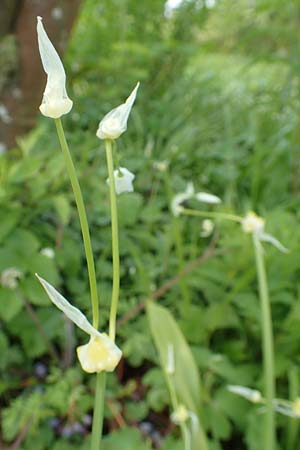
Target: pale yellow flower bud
(99,354)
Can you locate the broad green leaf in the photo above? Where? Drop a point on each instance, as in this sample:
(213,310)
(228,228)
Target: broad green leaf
(166,332)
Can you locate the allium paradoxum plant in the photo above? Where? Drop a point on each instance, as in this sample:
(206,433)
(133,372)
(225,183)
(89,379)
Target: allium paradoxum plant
(255,226)
(100,354)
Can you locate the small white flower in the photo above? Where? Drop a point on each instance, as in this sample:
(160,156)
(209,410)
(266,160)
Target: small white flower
(252,395)
(100,353)
(181,415)
(48,252)
(115,122)
(207,228)
(190,193)
(161,166)
(123,180)
(55,101)
(10,277)
(254,224)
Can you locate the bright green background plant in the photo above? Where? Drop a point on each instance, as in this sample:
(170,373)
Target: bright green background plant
(219,100)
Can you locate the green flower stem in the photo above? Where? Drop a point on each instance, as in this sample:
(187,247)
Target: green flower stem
(212,214)
(83,221)
(115,241)
(177,233)
(293,426)
(98,411)
(267,346)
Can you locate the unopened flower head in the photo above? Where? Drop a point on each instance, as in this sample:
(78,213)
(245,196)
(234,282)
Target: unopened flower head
(123,180)
(252,223)
(252,395)
(181,415)
(100,353)
(115,122)
(10,277)
(176,205)
(255,225)
(48,252)
(55,101)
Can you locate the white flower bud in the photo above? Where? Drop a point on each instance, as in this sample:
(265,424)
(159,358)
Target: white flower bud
(10,277)
(181,415)
(99,354)
(207,228)
(123,180)
(48,252)
(55,101)
(115,122)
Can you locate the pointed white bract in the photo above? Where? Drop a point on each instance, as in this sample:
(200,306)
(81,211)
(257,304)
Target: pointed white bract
(254,224)
(100,353)
(176,205)
(55,101)
(252,395)
(207,198)
(123,180)
(115,122)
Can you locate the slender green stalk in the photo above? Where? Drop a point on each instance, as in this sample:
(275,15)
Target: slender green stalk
(212,214)
(100,379)
(98,411)
(115,241)
(293,427)
(177,233)
(267,346)
(83,221)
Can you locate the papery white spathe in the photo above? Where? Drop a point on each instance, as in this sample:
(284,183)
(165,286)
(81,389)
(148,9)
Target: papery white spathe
(254,224)
(189,194)
(115,122)
(123,180)
(252,395)
(100,353)
(55,101)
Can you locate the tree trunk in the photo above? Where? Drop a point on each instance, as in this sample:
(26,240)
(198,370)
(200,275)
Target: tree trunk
(22,79)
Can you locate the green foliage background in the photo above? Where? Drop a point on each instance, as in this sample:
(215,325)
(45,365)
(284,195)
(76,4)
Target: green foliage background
(219,100)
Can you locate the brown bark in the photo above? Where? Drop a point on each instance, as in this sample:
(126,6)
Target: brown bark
(22,80)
